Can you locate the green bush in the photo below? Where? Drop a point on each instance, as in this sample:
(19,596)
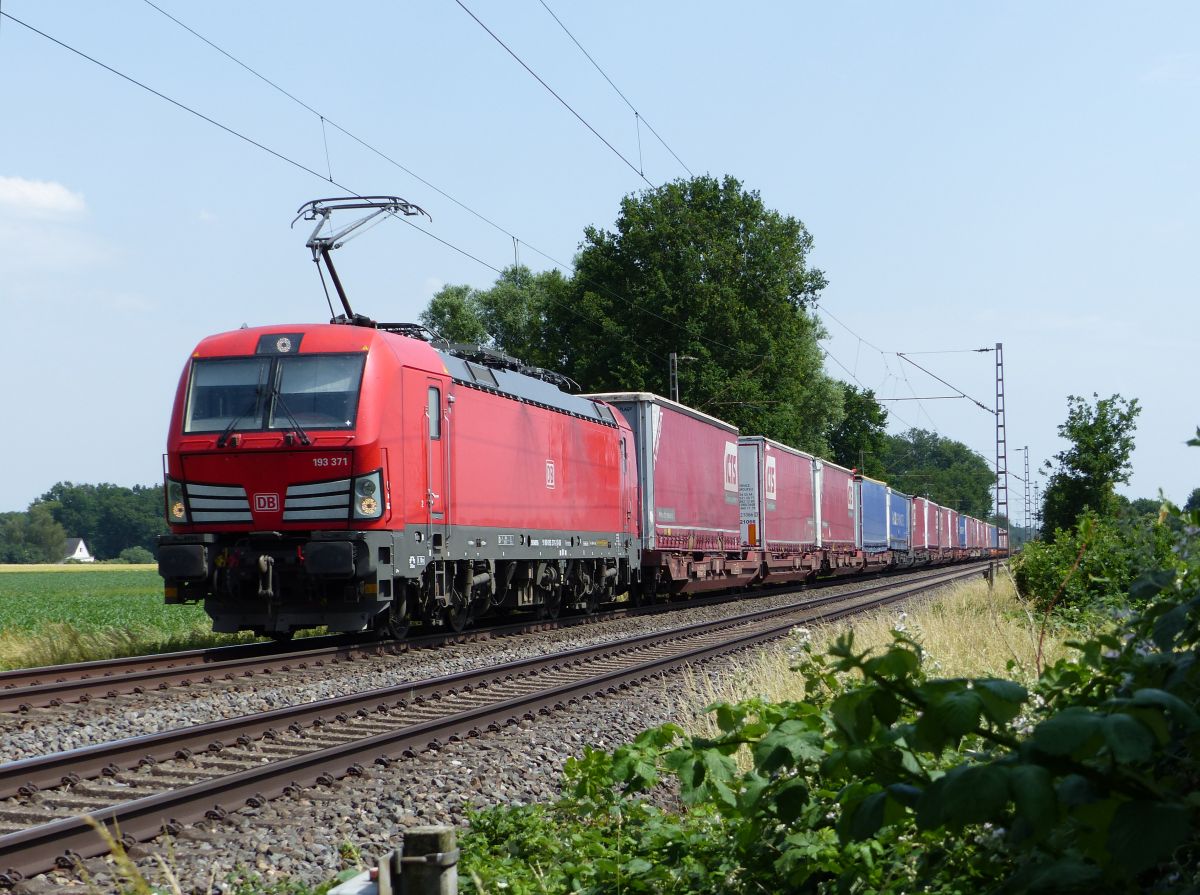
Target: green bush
(1092,565)
(136,555)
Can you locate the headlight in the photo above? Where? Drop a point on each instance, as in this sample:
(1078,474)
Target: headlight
(367,495)
(176,508)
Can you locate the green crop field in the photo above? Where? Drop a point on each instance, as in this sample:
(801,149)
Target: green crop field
(56,614)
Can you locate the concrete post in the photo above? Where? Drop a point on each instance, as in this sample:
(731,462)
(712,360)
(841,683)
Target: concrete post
(428,863)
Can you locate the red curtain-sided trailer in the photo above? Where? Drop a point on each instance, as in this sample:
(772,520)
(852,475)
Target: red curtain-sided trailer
(689,515)
(921,519)
(778,508)
(837,515)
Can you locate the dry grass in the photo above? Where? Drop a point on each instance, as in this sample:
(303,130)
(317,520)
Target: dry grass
(966,630)
(61,644)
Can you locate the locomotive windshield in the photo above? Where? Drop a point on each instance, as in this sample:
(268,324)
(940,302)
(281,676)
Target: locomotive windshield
(315,391)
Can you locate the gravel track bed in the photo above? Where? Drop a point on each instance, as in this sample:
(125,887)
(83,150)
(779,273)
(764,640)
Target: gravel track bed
(72,726)
(300,838)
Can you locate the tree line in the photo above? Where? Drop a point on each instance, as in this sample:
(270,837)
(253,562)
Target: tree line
(116,523)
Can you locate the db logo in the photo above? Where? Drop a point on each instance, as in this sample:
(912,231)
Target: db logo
(549,473)
(266,503)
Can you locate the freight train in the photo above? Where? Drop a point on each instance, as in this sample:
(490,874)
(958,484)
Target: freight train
(362,476)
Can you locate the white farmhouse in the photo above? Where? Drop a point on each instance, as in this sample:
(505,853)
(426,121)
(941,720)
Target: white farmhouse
(77,551)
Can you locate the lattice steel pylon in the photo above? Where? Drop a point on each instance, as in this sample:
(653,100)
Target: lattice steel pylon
(1001,448)
(1025,535)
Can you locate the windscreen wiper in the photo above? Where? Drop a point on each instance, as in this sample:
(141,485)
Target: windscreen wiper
(228,430)
(278,395)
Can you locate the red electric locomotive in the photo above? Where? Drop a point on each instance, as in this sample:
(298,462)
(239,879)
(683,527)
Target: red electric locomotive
(353,477)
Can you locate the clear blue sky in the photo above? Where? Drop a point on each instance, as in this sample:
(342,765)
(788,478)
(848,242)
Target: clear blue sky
(1023,173)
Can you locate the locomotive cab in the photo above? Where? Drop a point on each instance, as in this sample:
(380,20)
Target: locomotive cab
(276,483)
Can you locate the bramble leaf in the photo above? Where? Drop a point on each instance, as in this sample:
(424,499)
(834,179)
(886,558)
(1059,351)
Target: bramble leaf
(790,799)
(1032,790)
(1067,731)
(1002,700)
(1127,738)
(1142,833)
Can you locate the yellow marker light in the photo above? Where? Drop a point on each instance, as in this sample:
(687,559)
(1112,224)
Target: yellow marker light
(177,511)
(169,591)
(367,506)
(370,587)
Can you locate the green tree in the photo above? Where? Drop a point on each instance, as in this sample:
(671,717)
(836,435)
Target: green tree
(108,517)
(453,314)
(1143,506)
(1193,501)
(511,316)
(859,439)
(946,471)
(704,269)
(1085,475)
(32,536)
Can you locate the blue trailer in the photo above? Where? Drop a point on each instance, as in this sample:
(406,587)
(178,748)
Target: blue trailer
(899,514)
(872,514)
(961,535)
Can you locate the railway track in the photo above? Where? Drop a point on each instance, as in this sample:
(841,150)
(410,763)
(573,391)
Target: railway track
(145,785)
(22,690)
(26,689)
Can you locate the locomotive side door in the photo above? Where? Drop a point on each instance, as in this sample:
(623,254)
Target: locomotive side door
(626,491)
(437,443)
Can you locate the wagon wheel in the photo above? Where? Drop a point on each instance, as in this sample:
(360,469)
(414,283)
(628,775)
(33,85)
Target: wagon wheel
(551,603)
(646,594)
(398,619)
(281,636)
(591,603)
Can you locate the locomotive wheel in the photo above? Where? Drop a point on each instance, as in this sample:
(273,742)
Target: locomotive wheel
(281,636)
(457,618)
(398,619)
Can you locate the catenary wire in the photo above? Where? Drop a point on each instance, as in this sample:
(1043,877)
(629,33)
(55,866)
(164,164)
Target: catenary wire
(279,155)
(638,116)
(891,412)
(568,106)
(979,404)
(516,239)
(239,135)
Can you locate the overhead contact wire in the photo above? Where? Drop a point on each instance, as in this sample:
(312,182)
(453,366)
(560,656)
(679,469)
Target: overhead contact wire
(638,117)
(174,102)
(567,105)
(516,239)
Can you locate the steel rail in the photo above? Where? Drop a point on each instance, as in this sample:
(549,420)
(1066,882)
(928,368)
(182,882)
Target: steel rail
(190,668)
(25,689)
(62,841)
(115,668)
